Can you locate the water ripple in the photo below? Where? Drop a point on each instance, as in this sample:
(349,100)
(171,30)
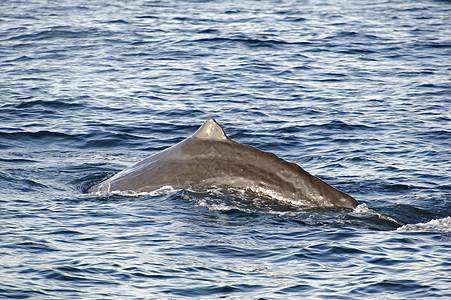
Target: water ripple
(355,92)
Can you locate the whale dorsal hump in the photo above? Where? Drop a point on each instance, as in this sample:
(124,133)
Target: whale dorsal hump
(210,130)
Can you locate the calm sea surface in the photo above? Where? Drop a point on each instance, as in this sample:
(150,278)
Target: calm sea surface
(356,92)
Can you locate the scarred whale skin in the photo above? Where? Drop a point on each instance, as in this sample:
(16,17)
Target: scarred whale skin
(210,159)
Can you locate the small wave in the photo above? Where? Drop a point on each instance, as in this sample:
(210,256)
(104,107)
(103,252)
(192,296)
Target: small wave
(55,104)
(37,135)
(53,33)
(364,209)
(251,42)
(435,135)
(436,225)
(18,183)
(109,139)
(118,21)
(333,125)
(344,126)
(17,160)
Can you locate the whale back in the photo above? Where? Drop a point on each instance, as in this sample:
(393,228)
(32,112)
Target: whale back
(210,159)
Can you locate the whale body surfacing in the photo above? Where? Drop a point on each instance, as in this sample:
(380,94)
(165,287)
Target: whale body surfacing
(210,159)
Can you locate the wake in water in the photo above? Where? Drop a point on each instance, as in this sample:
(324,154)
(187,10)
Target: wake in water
(364,209)
(437,225)
(240,200)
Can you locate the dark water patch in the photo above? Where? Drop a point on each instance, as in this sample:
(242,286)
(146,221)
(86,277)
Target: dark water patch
(442,136)
(35,246)
(147,17)
(250,42)
(84,269)
(14,292)
(295,19)
(118,21)
(445,187)
(407,214)
(40,138)
(153,276)
(202,290)
(176,113)
(20,58)
(340,125)
(387,187)
(396,188)
(59,32)
(110,139)
(355,141)
(17,160)
(209,31)
(58,104)
(65,276)
(9,181)
(358,51)
(393,285)
(372,221)
(337,126)
(296,289)
(83,184)
(66,232)
(438,45)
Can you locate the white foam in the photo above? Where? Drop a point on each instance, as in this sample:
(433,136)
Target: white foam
(364,209)
(164,190)
(439,225)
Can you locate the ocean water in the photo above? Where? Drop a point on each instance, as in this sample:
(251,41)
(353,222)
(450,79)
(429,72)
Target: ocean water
(356,92)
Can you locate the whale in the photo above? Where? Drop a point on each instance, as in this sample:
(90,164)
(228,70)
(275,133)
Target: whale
(210,159)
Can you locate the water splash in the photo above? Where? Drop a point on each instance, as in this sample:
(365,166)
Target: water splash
(436,225)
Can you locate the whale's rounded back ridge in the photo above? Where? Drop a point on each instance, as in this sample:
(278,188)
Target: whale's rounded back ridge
(209,158)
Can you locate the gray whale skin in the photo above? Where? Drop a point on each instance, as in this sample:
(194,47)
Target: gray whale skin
(210,159)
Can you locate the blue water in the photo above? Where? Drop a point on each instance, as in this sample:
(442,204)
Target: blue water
(356,92)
